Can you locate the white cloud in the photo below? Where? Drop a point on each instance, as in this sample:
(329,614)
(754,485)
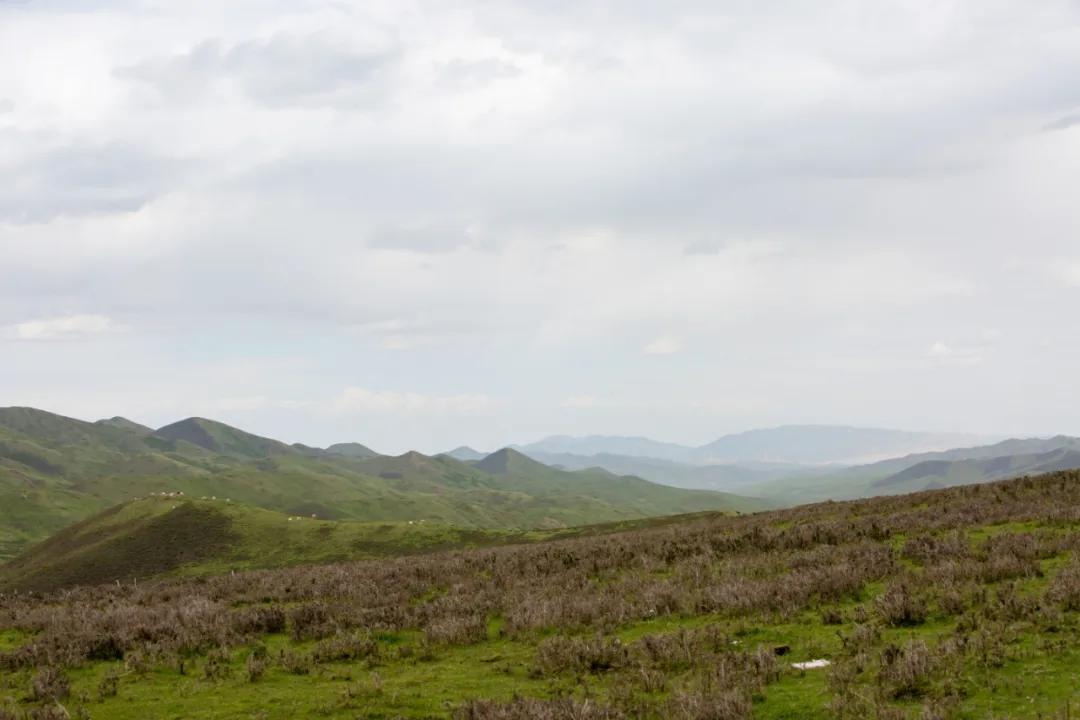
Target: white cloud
(1069,272)
(361,401)
(944,354)
(536,197)
(581,401)
(665,345)
(69,327)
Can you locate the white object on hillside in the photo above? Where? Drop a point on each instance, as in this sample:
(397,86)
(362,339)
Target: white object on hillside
(811,664)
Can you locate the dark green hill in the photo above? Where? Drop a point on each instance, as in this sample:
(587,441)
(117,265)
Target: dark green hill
(221,439)
(508,462)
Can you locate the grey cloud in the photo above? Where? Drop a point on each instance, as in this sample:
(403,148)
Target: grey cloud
(424,237)
(76,180)
(464,74)
(283,71)
(1063,123)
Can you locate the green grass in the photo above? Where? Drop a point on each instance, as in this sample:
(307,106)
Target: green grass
(1037,684)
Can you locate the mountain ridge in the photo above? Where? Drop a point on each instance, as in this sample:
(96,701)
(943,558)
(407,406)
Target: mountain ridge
(793,444)
(56,470)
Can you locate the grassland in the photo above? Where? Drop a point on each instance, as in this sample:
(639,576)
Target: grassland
(957,603)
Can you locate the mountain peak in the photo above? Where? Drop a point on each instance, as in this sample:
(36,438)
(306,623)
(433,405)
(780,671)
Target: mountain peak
(465,453)
(123,423)
(353,450)
(508,461)
(221,438)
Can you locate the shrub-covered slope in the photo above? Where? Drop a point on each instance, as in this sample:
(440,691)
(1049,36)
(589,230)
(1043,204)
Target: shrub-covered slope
(955,603)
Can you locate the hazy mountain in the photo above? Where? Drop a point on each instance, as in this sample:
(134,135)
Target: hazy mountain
(944,473)
(465,453)
(610,445)
(729,478)
(918,471)
(825,444)
(791,444)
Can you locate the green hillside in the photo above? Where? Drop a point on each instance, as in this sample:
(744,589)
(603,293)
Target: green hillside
(945,473)
(55,471)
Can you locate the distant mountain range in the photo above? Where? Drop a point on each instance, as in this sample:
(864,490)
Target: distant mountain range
(56,470)
(920,471)
(790,444)
(791,483)
(729,478)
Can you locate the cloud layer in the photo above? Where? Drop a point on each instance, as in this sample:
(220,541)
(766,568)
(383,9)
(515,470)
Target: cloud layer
(490,217)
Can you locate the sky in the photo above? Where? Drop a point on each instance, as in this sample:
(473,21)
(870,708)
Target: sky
(421,224)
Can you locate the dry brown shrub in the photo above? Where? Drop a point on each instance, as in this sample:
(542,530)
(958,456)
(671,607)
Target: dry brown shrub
(533,709)
(726,704)
(341,647)
(575,654)
(901,605)
(310,621)
(295,663)
(457,630)
(49,685)
(906,672)
(1064,589)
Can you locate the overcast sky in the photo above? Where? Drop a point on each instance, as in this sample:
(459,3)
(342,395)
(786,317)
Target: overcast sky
(422,224)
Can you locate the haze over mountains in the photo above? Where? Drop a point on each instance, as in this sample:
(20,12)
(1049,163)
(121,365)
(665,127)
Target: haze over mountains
(789,444)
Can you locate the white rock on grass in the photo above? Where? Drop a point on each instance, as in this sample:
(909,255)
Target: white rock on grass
(811,664)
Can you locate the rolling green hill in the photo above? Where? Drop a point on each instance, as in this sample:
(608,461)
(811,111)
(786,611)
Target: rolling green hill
(945,473)
(55,471)
(171,534)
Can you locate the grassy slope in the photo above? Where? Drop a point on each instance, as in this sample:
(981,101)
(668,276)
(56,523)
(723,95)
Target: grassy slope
(157,536)
(1036,676)
(55,471)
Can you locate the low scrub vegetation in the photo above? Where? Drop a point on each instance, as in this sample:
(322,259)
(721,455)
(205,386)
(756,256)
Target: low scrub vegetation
(953,603)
